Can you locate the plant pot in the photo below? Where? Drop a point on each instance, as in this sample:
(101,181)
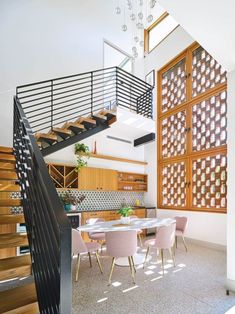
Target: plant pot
(73,207)
(125,220)
(67,207)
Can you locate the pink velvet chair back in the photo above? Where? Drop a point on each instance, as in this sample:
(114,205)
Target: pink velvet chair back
(165,237)
(78,245)
(121,243)
(181,223)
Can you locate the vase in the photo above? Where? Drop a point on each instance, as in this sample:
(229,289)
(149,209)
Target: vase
(67,207)
(125,220)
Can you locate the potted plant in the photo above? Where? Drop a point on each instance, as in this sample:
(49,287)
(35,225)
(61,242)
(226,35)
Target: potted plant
(125,214)
(70,201)
(82,151)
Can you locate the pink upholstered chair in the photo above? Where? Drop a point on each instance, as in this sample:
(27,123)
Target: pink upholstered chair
(164,239)
(139,232)
(181,225)
(96,236)
(79,246)
(121,244)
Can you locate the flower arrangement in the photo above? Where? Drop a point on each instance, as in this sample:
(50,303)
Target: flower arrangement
(70,201)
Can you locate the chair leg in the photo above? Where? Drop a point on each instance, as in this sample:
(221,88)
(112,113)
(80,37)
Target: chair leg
(140,239)
(131,269)
(176,242)
(172,256)
(162,257)
(146,256)
(133,264)
(78,266)
(184,243)
(111,270)
(89,254)
(98,261)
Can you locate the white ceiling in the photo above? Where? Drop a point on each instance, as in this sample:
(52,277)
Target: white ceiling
(209,22)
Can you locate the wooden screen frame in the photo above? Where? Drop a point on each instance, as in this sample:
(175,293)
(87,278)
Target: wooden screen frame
(190,155)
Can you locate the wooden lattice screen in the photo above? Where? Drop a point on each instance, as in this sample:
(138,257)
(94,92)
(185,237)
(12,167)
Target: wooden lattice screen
(192,133)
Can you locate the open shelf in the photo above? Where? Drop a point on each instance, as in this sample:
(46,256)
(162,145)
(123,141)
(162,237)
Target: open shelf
(63,176)
(128,181)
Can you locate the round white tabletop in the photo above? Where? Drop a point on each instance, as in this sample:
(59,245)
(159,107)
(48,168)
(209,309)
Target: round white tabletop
(135,224)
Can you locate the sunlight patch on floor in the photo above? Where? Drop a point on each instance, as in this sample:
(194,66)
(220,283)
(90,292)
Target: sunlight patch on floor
(129,289)
(102,300)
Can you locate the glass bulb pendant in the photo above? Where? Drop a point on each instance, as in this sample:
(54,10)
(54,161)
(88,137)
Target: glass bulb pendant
(118,10)
(152,3)
(141,2)
(124,27)
(141,43)
(134,49)
(140,15)
(149,18)
(140,25)
(132,16)
(135,55)
(136,39)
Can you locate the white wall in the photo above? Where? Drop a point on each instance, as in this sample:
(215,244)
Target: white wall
(42,39)
(104,146)
(209,227)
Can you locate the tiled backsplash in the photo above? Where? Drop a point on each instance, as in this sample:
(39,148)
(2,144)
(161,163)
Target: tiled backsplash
(103,200)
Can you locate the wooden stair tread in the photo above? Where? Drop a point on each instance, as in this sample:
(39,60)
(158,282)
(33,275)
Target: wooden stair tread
(11,219)
(7,166)
(17,298)
(105,112)
(62,130)
(8,240)
(82,120)
(7,158)
(7,150)
(99,116)
(47,136)
(67,125)
(9,187)
(8,175)
(14,267)
(9,202)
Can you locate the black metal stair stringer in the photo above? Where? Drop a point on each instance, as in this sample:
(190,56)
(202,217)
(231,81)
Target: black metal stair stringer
(74,139)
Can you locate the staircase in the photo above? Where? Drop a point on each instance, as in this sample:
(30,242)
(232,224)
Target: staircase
(49,116)
(21,299)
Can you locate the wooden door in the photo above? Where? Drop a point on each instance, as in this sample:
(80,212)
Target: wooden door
(108,180)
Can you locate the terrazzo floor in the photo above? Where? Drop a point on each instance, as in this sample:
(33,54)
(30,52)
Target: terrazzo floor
(195,285)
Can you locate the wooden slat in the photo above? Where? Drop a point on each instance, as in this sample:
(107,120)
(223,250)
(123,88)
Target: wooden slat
(106,112)
(8,240)
(14,267)
(82,120)
(10,202)
(7,158)
(11,219)
(7,187)
(99,116)
(7,150)
(7,166)
(45,136)
(69,125)
(62,130)
(18,298)
(26,309)
(8,175)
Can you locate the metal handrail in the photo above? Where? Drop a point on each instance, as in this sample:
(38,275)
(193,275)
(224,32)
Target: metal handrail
(47,103)
(48,228)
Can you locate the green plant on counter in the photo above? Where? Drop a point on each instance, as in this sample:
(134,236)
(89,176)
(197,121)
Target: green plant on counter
(69,199)
(82,151)
(125,211)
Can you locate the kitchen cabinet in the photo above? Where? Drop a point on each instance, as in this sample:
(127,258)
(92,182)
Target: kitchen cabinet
(97,179)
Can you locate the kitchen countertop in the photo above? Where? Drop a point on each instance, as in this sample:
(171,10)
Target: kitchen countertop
(101,210)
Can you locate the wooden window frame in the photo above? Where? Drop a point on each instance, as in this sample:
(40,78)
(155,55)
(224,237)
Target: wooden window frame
(190,155)
(146,33)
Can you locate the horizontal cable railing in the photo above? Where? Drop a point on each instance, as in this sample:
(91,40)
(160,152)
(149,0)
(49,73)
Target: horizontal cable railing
(48,228)
(53,102)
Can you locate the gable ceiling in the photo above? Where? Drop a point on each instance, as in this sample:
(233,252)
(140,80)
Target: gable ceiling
(211,23)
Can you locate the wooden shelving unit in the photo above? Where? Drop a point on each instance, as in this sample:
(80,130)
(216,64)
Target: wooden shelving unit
(132,182)
(63,176)
(131,161)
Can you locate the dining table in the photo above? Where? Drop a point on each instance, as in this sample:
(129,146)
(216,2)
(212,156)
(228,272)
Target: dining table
(135,224)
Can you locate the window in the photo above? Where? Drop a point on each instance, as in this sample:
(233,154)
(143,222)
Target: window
(192,132)
(113,56)
(158,31)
